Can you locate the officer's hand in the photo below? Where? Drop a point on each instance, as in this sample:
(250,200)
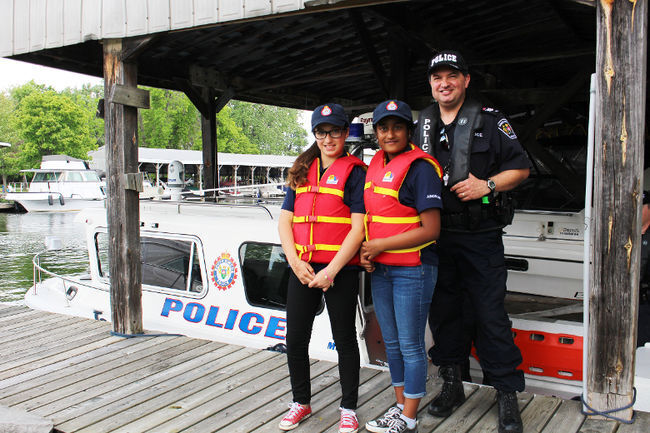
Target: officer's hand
(471,188)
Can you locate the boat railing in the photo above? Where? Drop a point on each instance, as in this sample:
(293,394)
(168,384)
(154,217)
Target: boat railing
(69,283)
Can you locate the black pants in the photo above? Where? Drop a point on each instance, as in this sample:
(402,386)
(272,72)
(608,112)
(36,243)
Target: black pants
(473,265)
(303,303)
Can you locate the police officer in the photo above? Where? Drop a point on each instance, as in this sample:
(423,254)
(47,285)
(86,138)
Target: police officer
(481,158)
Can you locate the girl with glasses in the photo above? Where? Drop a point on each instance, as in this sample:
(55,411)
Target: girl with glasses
(321,229)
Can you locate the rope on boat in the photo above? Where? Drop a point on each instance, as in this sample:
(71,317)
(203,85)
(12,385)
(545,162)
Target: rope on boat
(606,413)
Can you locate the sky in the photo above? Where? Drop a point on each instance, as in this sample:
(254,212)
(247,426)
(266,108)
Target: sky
(14,73)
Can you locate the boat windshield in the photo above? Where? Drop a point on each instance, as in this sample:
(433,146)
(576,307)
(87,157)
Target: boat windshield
(47,176)
(166,263)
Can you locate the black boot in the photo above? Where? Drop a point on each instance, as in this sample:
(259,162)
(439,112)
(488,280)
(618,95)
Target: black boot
(452,394)
(509,417)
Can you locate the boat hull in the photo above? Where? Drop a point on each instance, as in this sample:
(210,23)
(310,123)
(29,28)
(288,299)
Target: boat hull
(52,202)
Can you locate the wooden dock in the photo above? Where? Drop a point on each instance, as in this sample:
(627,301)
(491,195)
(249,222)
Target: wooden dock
(73,371)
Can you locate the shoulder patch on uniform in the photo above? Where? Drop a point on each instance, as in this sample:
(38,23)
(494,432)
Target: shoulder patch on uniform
(505,127)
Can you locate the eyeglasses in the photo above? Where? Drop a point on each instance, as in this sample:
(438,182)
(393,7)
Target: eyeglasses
(334,133)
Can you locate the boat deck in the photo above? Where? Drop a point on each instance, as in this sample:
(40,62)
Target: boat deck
(73,371)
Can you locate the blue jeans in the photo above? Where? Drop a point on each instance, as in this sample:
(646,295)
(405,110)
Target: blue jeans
(402,296)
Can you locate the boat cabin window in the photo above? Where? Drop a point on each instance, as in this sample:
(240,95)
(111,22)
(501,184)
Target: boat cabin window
(89,176)
(170,264)
(49,176)
(265,274)
(74,176)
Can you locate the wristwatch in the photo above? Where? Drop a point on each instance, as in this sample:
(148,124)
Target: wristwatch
(491,185)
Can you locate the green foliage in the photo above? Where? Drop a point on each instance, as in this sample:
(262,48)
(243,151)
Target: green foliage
(230,138)
(87,99)
(172,122)
(274,130)
(49,123)
(8,156)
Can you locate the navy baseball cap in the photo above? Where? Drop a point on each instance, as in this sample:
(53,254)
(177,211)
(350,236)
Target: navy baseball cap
(329,113)
(392,107)
(449,58)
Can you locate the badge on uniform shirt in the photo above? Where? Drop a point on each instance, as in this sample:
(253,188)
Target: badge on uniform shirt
(462,121)
(505,127)
(388,177)
(332,180)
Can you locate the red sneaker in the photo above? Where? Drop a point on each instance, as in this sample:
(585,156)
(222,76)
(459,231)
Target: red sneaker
(297,413)
(349,422)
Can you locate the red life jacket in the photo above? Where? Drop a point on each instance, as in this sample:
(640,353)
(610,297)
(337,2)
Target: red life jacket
(385,215)
(321,220)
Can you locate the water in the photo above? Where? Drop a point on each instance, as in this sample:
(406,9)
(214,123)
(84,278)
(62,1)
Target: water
(23,235)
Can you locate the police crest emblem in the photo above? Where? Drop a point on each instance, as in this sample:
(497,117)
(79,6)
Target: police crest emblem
(224,272)
(505,127)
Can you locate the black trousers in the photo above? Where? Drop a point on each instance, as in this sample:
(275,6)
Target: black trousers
(303,303)
(472,265)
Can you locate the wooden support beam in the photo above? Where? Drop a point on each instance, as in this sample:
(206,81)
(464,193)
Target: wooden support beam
(616,220)
(123,207)
(209,138)
(369,49)
(131,96)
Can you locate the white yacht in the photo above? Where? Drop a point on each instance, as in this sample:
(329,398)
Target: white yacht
(61,184)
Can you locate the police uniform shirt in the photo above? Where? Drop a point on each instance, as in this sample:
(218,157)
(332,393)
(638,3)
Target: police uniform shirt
(495,148)
(422,190)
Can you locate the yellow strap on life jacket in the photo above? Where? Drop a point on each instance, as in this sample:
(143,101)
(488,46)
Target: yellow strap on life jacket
(410,250)
(322,219)
(319,189)
(395,220)
(316,247)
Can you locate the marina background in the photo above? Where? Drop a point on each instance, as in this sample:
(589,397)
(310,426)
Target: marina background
(23,235)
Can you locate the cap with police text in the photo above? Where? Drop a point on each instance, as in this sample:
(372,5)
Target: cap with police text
(392,107)
(449,58)
(329,113)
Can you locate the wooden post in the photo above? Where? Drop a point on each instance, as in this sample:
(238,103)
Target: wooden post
(123,208)
(209,138)
(618,170)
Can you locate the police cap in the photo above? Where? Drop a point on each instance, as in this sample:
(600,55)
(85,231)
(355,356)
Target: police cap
(449,58)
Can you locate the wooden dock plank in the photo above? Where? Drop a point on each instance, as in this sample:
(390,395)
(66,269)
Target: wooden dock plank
(86,380)
(30,398)
(219,392)
(263,402)
(142,378)
(197,387)
(538,412)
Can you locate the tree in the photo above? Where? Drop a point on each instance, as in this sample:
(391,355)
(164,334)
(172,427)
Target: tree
(8,156)
(274,130)
(87,98)
(230,138)
(48,124)
(172,122)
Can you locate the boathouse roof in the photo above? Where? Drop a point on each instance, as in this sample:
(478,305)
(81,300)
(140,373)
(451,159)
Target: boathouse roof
(300,53)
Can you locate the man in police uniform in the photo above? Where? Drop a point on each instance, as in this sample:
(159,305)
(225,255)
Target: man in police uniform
(643,328)
(482,159)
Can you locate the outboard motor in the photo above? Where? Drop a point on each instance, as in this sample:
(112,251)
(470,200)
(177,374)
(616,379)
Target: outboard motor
(176,179)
